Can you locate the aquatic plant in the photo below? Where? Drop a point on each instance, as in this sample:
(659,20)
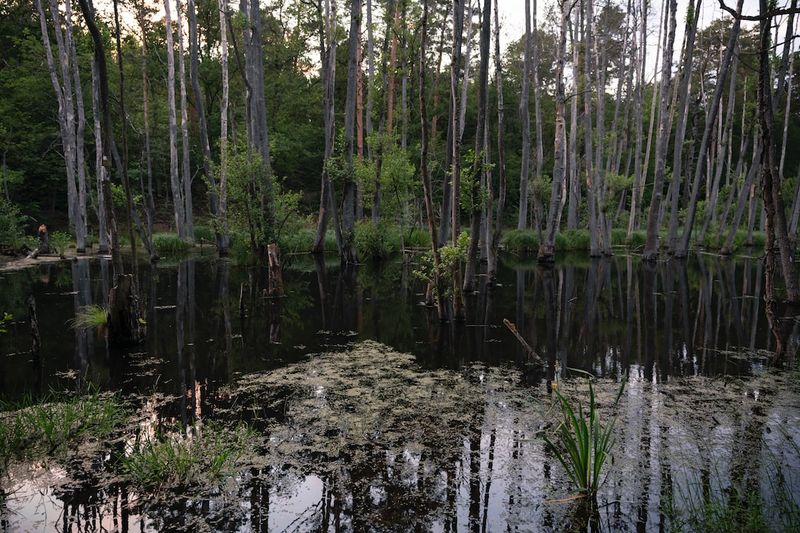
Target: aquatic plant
(169,244)
(205,233)
(179,460)
(88,317)
(29,428)
(584,442)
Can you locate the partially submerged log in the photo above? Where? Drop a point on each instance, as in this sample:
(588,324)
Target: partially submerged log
(125,323)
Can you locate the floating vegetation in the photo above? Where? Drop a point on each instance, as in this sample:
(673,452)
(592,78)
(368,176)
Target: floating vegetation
(91,316)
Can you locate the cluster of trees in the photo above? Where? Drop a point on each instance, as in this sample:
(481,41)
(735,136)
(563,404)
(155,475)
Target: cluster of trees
(405,111)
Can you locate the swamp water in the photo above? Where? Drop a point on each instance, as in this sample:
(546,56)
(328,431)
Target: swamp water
(347,406)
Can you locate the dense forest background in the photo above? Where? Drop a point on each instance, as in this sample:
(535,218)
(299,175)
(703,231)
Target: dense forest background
(588,65)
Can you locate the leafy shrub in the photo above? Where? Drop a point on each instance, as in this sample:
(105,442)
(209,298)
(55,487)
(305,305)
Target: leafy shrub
(11,224)
(205,233)
(375,241)
(60,241)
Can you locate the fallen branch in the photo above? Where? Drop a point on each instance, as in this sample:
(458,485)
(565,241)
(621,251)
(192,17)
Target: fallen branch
(528,349)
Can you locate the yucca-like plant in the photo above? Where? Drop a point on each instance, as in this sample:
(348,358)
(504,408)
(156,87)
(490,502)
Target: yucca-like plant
(584,442)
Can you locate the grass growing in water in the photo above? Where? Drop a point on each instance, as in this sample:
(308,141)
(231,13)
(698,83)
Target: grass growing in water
(584,443)
(28,429)
(180,460)
(88,317)
(169,244)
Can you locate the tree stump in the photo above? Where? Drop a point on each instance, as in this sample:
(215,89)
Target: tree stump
(275,270)
(125,323)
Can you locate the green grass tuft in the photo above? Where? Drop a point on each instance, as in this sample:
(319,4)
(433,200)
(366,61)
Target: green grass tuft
(167,244)
(180,460)
(584,443)
(88,317)
(29,429)
(205,233)
(520,241)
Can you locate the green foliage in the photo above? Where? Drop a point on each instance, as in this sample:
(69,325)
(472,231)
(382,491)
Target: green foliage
(29,429)
(520,241)
(573,240)
(418,238)
(88,317)
(5,321)
(376,241)
(11,224)
(583,442)
(60,241)
(205,233)
(167,244)
(184,459)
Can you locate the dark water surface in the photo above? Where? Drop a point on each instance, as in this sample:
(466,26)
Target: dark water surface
(457,444)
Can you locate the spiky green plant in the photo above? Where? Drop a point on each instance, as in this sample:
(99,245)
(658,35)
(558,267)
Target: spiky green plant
(91,316)
(584,443)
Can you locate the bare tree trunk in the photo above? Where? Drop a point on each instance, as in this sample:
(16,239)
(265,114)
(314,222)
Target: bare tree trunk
(327,52)
(683,110)
(370,76)
(770,178)
(723,134)
(591,185)
(81,233)
(639,170)
(651,246)
(478,167)
(205,147)
(426,179)
(100,169)
(522,219)
(147,194)
(350,254)
(547,248)
(574,180)
(222,214)
(494,232)
(682,248)
(458,21)
(102,76)
(186,177)
(177,191)
(462,112)
(537,111)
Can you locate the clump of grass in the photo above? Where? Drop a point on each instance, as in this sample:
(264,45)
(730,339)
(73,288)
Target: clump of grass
(169,244)
(28,428)
(418,238)
(584,442)
(91,316)
(520,241)
(573,239)
(204,233)
(181,460)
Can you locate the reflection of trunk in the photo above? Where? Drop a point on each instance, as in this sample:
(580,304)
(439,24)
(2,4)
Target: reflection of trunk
(81,286)
(125,325)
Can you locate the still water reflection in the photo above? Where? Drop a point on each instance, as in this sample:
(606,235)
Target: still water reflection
(453,440)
